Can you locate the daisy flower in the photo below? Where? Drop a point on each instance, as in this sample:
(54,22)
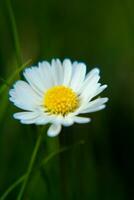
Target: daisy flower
(57,93)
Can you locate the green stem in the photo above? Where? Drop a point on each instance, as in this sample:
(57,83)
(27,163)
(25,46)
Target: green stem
(42,164)
(14,185)
(63,168)
(30,167)
(14,33)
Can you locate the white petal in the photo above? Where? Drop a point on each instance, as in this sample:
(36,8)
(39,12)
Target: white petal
(37,118)
(89,92)
(67,121)
(30,121)
(33,78)
(81,120)
(40,78)
(54,130)
(26,117)
(78,76)
(90,86)
(46,74)
(96,109)
(44,118)
(57,72)
(93,105)
(100,89)
(67,68)
(23,96)
(91,82)
(93,73)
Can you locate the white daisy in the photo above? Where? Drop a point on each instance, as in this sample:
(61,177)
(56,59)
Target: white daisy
(57,93)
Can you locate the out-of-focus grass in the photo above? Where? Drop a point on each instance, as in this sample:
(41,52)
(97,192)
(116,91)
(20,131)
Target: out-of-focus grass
(101,33)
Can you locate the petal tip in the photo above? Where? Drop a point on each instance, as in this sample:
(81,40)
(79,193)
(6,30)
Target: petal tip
(54,130)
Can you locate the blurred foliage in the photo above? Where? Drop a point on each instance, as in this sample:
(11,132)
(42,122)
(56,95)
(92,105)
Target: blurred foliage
(100,33)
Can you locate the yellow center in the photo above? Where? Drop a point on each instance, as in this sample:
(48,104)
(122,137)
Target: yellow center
(60,100)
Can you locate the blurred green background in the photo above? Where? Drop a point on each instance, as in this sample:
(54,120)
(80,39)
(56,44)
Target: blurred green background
(100,33)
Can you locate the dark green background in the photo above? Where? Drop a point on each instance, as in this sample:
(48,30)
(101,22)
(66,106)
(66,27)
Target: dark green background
(100,33)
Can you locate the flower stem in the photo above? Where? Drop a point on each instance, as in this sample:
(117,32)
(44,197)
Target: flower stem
(30,167)
(63,168)
(14,33)
(14,185)
(42,164)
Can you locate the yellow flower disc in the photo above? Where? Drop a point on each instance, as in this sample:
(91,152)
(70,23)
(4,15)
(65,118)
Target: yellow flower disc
(60,100)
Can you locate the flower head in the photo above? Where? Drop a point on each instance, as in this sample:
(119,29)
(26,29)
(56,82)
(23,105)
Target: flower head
(57,93)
